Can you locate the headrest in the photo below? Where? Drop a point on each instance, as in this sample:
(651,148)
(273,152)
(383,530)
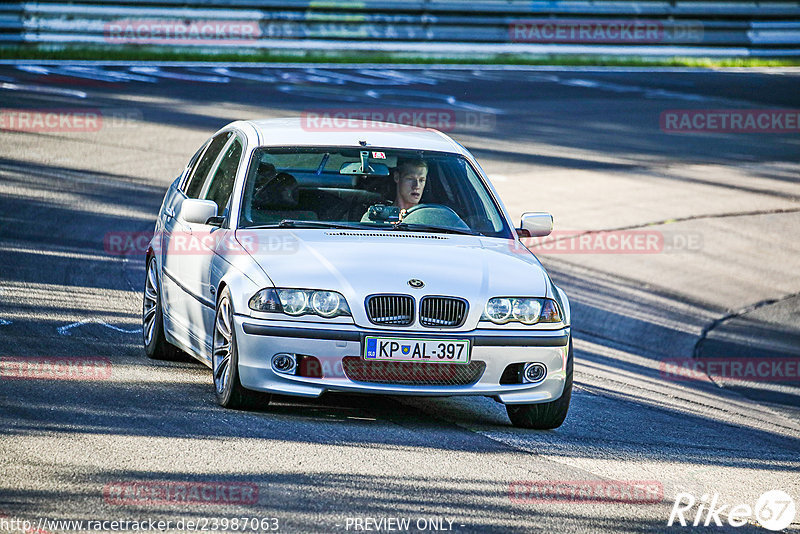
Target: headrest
(278,193)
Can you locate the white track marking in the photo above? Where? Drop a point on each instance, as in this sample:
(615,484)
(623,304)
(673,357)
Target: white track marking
(42,89)
(401,77)
(619,88)
(110,75)
(338,94)
(364,80)
(224,71)
(88,73)
(303,76)
(34,69)
(419,98)
(157,72)
(65,330)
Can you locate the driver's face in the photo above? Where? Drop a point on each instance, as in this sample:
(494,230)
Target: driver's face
(410,184)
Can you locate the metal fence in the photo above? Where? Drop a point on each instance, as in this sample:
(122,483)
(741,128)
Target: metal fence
(456,26)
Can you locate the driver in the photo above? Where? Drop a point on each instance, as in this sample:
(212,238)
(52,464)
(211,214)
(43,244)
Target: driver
(410,176)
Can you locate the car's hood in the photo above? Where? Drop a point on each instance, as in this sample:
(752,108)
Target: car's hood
(361,263)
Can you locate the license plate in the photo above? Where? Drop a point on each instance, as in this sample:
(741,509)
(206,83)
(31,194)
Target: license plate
(416,350)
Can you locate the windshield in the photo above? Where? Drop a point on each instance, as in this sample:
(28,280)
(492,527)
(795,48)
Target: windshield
(368,188)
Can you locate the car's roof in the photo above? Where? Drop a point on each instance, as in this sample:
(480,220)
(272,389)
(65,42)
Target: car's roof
(312,131)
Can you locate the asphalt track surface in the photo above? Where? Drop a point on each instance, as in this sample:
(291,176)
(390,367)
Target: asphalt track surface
(586,145)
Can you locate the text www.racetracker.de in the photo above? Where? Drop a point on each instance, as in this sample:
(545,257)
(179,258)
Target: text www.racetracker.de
(44,525)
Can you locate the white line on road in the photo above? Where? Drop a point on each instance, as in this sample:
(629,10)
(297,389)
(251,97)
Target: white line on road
(224,71)
(43,90)
(65,330)
(619,88)
(155,71)
(369,79)
(105,75)
(421,98)
(88,72)
(402,78)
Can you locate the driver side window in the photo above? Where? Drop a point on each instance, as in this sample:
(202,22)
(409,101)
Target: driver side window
(198,175)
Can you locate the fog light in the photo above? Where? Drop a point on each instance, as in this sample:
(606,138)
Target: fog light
(284,363)
(533,373)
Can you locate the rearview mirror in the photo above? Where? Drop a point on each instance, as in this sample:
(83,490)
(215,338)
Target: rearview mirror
(535,224)
(196,211)
(364,166)
(371,169)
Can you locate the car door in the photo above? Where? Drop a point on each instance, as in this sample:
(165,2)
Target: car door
(176,240)
(195,266)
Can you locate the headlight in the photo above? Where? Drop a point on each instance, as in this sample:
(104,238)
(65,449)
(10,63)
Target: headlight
(298,302)
(326,303)
(526,311)
(294,301)
(498,310)
(501,310)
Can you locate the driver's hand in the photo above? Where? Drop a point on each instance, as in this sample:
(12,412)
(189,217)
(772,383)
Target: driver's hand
(402,215)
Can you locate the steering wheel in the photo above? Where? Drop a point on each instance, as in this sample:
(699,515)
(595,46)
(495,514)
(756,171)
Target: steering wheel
(434,215)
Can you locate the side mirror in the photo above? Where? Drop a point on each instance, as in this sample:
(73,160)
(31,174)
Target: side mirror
(535,224)
(196,211)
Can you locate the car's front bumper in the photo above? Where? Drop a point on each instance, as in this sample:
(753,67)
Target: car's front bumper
(258,340)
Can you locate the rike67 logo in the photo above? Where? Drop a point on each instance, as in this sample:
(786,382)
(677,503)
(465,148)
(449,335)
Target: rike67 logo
(774,510)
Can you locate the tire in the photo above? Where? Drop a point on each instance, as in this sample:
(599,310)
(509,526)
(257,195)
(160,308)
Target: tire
(225,362)
(156,345)
(545,415)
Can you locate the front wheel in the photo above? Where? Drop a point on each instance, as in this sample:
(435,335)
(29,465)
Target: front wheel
(225,362)
(545,415)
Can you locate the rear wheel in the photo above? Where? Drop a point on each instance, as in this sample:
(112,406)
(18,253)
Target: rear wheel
(156,345)
(545,415)
(225,362)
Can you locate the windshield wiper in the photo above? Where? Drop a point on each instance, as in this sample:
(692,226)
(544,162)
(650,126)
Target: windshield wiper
(430,228)
(291,223)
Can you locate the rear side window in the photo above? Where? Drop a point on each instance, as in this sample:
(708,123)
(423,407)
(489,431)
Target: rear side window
(195,183)
(221,186)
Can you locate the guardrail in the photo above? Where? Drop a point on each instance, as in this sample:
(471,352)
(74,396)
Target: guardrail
(724,27)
